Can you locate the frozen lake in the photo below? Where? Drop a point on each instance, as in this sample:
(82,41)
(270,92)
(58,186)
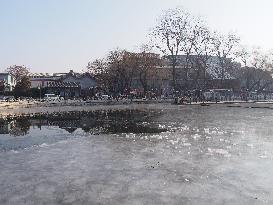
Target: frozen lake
(177,155)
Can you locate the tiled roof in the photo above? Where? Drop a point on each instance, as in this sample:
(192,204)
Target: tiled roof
(59,75)
(5,73)
(46,75)
(59,84)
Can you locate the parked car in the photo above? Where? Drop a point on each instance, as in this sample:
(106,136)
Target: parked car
(52,97)
(105,97)
(9,98)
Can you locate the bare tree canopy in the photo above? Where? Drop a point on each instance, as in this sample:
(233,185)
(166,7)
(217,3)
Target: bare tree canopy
(225,47)
(22,88)
(120,68)
(171,35)
(201,52)
(254,57)
(97,67)
(180,33)
(256,73)
(115,72)
(194,58)
(147,66)
(18,71)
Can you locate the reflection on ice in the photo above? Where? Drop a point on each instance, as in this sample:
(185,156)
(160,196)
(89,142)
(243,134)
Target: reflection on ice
(94,122)
(50,128)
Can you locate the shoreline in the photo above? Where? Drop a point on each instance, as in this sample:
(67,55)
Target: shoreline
(31,108)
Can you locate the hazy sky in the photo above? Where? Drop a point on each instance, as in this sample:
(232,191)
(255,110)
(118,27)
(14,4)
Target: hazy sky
(58,35)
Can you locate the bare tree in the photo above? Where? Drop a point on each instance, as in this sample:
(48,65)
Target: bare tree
(243,55)
(122,66)
(190,47)
(98,68)
(263,69)
(18,71)
(171,34)
(116,71)
(22,87)
(257,70)
(260,59)
(225,49)
(147,66)
(203,51)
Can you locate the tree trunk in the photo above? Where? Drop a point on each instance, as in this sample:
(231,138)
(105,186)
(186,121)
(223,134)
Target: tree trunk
(174,77)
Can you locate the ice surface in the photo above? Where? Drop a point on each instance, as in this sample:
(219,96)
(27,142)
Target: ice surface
(208,156)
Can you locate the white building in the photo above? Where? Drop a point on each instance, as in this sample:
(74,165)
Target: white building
(9,81)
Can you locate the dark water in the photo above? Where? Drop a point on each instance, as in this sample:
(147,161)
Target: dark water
(24,132)
(173,155)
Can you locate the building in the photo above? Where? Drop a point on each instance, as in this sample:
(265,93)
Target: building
(199,72)
(64,89)
(67,85)
(152,76)
(8,80)
(86,82)
(159,81)
(42,79)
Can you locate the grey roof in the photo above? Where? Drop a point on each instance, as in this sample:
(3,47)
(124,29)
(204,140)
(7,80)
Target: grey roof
(5,73)
(60,84)
(46,75)
(59,75)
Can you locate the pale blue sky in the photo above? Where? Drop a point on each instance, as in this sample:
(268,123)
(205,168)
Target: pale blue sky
(58,35)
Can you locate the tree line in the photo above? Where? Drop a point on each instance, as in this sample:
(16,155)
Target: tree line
(179,33)
(116,72)
(23,84)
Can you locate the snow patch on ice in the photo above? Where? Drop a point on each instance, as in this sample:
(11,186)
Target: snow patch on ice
(219,151)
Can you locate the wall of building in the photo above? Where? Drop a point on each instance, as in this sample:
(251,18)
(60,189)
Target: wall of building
(85,81)
(10,81)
